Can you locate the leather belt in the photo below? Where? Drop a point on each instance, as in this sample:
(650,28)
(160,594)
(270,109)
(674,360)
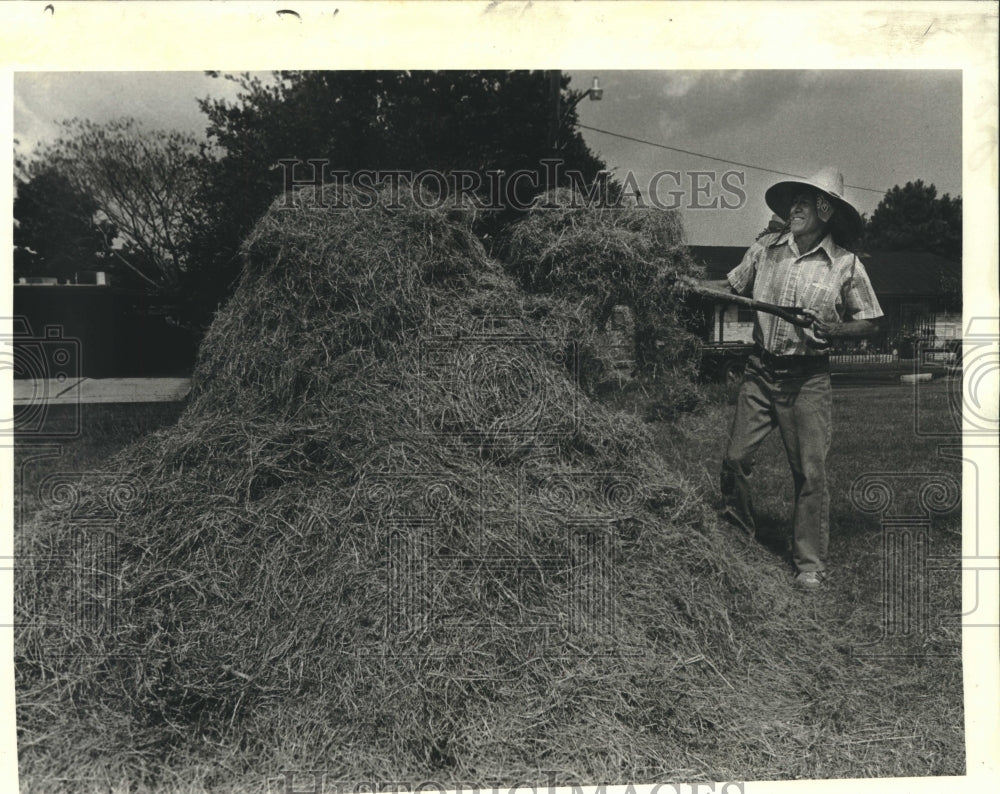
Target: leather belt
(792,366)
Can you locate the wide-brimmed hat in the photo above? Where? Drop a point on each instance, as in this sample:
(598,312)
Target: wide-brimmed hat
(830,182)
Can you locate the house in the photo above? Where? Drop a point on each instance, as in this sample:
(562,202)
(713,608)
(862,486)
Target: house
(910,286)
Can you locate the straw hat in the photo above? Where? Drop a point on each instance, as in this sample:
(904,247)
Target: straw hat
(830,182)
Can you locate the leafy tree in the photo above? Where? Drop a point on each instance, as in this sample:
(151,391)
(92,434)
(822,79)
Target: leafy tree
(56,232)
(914,218)
(478,121)
(140,187)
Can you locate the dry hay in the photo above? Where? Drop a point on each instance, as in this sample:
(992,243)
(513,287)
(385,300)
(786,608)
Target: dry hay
(392,539)
(600,256)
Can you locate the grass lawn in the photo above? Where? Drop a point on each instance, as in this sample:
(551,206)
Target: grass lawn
(895,715)
(92,436)
(913,701)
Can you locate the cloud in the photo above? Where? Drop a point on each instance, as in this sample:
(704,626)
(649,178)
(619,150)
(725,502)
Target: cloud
(697,105)
(160,100)
(29,126)
(879,127)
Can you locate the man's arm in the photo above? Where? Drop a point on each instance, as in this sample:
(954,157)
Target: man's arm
(742,275)
(721,284)
(848,330)
(859,299)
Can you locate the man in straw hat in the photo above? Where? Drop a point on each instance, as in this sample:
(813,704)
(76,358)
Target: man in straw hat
(806,264)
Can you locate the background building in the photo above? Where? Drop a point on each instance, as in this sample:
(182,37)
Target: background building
(918,291)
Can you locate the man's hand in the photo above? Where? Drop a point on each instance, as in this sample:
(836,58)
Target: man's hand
(852,328)
(821,329)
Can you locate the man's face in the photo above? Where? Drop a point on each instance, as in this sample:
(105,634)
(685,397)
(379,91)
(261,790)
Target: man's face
(803,216)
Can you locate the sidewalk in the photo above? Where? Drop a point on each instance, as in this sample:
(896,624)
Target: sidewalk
(103,390)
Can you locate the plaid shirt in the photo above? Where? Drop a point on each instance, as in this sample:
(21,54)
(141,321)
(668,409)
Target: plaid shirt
(828,279)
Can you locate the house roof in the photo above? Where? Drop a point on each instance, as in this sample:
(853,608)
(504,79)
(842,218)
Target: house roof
(904,273)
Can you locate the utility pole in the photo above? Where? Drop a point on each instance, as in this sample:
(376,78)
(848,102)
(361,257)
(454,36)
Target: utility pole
(594,93)
(555,88)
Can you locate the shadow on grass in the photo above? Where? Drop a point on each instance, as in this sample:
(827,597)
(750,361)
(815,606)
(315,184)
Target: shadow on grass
(775,534)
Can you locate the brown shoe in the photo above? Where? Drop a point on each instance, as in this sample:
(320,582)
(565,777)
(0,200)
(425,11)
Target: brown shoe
(810,580)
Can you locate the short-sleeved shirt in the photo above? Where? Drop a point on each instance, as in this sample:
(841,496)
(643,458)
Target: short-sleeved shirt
(828,279)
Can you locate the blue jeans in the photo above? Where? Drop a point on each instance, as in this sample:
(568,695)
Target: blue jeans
(800,407)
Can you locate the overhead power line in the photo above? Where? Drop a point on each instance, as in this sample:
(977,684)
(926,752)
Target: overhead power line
(710,157)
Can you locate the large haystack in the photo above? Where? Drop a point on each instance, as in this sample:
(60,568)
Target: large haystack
(392,539)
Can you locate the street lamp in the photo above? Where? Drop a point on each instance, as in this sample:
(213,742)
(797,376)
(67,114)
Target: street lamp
(595,93)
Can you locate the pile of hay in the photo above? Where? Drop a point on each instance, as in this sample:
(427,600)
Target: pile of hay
(602,256)
(390,538)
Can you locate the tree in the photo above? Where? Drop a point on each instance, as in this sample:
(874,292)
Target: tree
(478,121)
(141,186)
(56,232)
(913,218)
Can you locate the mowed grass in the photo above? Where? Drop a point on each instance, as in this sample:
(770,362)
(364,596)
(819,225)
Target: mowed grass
(907,705)
(897,715)
(79,440)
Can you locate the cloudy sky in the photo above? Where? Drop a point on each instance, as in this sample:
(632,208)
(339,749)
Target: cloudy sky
(880,128)
(160,99)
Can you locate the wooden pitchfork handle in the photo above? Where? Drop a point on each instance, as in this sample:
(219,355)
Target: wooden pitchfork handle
(791,314)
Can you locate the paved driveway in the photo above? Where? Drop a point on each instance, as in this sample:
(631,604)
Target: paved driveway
(103,390)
